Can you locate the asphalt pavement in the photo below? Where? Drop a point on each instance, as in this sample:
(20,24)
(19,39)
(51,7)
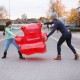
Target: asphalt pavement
(41,66)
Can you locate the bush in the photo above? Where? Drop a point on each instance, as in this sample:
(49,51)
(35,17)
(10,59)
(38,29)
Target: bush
(2,27)
(74,29)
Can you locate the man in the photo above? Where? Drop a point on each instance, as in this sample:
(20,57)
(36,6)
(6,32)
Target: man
(66,36)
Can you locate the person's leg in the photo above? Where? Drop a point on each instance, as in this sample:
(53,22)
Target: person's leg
(61,40)
(14,43)
(20,55)
(47,26)
(7,44)
(68,41)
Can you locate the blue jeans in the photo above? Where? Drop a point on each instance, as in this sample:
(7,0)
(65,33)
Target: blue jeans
(8,42)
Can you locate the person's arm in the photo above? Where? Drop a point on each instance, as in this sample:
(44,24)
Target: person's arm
(53,30)
(15,28)
(7,30)
(48,23)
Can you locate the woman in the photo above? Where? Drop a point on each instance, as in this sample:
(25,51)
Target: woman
(66,36)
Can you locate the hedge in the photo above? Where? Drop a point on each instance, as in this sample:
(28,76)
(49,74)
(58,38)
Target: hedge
(74,29)
(2,27)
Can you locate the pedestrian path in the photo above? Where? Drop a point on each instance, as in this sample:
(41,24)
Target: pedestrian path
(1,34)
(76,35)
(39,66)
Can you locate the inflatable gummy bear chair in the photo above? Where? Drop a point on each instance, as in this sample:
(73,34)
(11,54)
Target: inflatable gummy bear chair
(33,40)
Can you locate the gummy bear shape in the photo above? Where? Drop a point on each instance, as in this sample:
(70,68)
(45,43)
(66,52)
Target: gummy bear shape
(33,40)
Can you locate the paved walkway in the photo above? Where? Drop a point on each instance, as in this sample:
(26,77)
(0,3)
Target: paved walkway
(39,66)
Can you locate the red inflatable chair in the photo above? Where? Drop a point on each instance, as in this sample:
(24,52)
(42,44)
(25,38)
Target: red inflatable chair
(33,40)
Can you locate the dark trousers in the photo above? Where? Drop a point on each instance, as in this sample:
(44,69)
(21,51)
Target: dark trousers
(65,37)
(48,26)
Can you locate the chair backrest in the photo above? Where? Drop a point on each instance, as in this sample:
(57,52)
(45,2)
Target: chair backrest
(32,32)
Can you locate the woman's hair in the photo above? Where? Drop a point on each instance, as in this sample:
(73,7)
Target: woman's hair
(8,23)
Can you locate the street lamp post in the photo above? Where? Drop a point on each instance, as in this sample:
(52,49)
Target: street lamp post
(9,9)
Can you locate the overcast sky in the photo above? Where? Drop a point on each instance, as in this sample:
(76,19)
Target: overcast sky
(33,8)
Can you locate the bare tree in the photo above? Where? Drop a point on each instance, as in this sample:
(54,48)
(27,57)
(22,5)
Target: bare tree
(3,13)
(52,6)
(57,7)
